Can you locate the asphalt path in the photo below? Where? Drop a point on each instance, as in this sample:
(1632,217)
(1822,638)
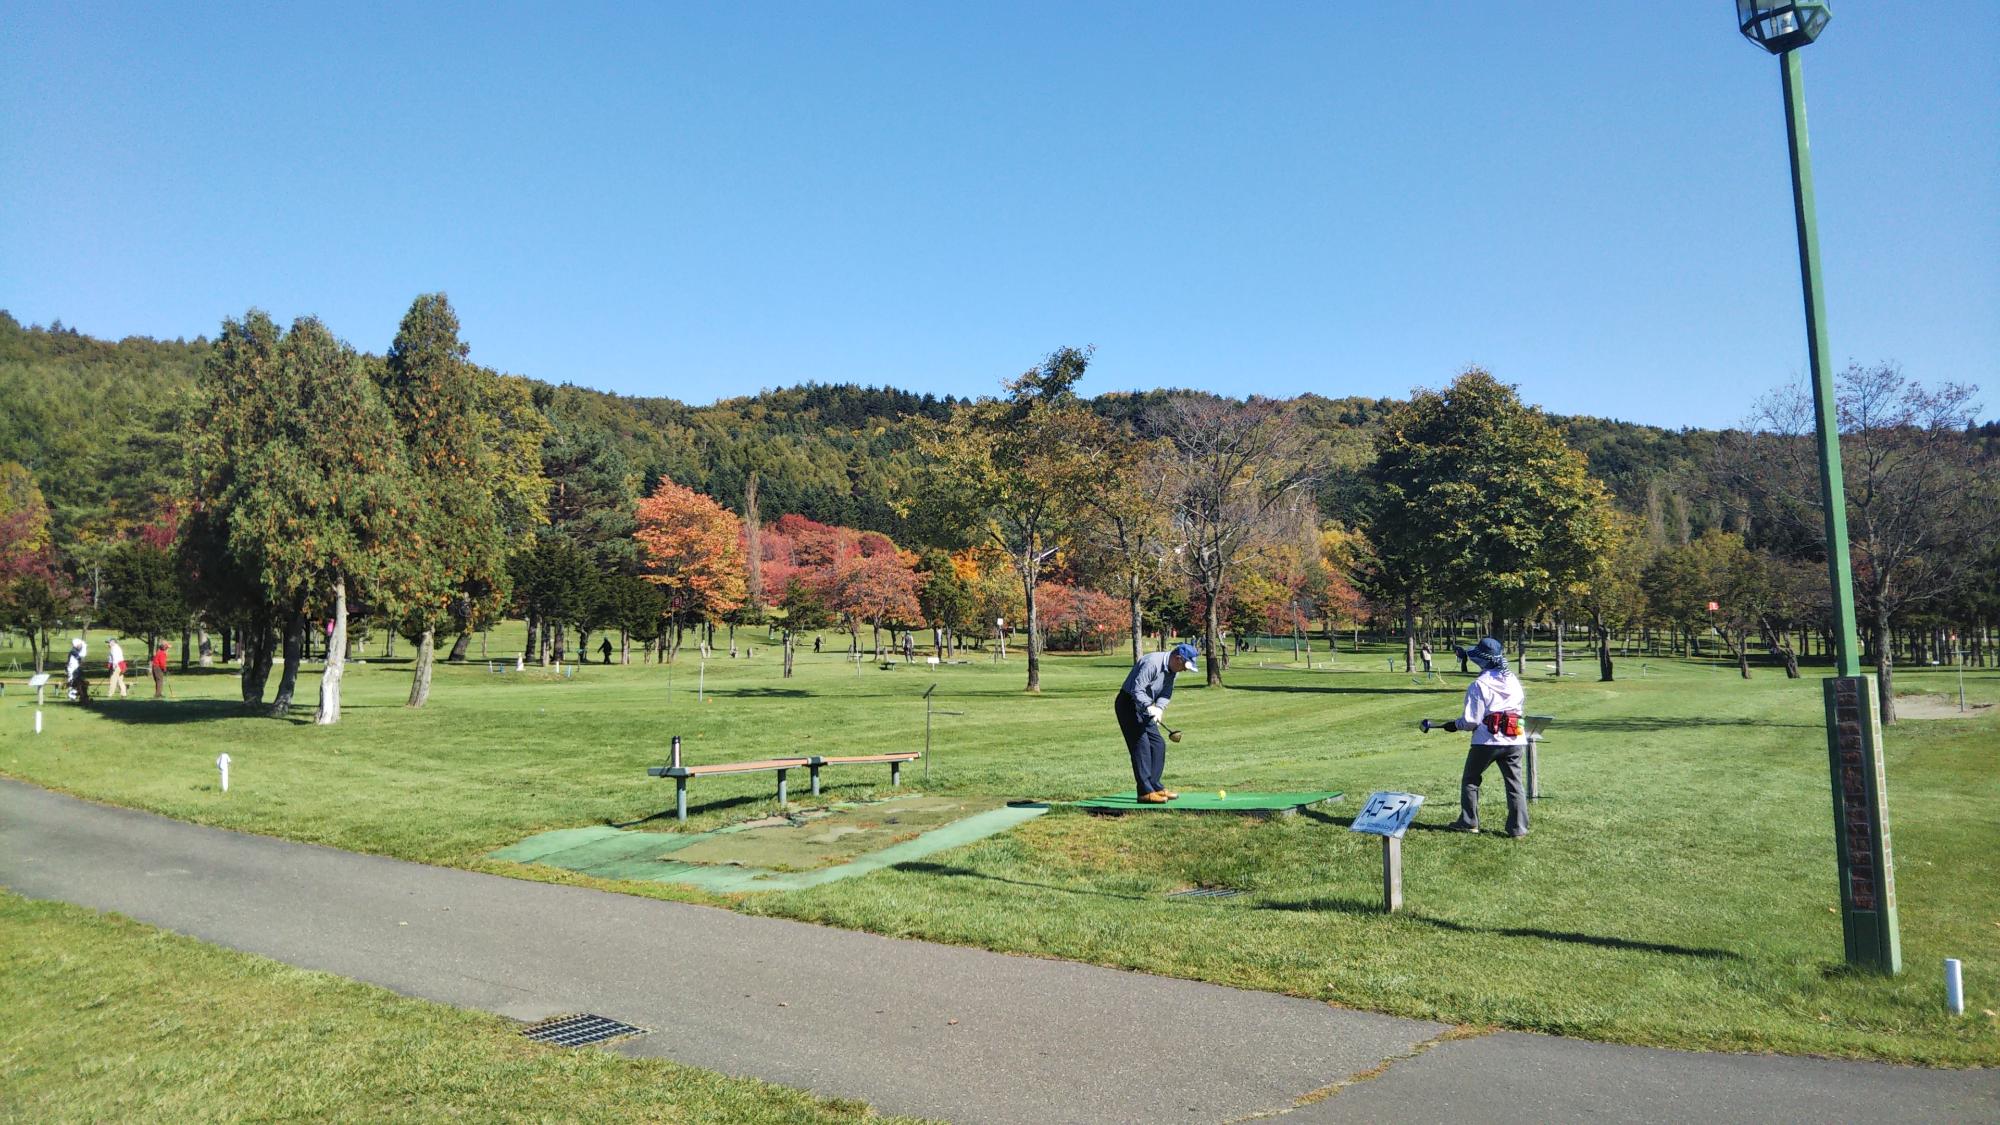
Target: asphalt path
(908,1026)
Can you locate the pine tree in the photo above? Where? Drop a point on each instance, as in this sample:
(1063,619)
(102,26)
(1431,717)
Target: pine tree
(433,396)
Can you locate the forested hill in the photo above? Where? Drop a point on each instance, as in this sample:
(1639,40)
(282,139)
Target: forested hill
(95,420)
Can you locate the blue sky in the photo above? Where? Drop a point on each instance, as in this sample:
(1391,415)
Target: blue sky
(1590,200)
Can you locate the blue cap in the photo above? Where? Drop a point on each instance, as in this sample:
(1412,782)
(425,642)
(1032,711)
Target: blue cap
(1489,654)
(1188,653)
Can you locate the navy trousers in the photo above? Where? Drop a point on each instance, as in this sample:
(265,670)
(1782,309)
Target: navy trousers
(1144,742)
(1509,759)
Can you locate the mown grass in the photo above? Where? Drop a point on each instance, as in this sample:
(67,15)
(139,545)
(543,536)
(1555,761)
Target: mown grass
(109,1020)
(1678,888)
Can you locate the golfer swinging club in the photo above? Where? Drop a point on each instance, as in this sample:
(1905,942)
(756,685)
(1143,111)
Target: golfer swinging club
(1149,687)
(1493,705)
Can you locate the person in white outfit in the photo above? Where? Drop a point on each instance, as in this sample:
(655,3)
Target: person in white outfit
(1494,703)
(116,658)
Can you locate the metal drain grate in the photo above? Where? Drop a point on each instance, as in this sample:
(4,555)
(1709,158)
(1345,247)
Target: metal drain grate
(1206,892)
(579,1031)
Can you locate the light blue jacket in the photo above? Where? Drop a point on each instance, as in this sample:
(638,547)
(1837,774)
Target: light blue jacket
(1151,681)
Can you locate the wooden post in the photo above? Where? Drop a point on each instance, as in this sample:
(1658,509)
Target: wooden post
(1392,874)
(1534,767)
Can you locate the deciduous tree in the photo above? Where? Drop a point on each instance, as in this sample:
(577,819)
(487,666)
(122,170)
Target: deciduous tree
(691,548)
(1014,472)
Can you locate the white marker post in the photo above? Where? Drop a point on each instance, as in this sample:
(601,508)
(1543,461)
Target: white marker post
(40,682)
(222,763)
(1954,987)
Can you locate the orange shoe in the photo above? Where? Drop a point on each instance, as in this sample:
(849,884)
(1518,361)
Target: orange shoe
(1171,795)
(1156,797)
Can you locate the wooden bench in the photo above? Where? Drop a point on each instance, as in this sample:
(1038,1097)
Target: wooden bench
(895,762)
(781,766)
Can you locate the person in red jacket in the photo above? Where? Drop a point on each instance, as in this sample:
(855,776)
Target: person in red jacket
(159,665)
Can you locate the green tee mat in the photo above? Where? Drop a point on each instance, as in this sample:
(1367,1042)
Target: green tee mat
(1195,801)
(616,853)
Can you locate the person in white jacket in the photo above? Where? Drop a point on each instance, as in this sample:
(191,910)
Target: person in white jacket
(1494,703)
(73,672)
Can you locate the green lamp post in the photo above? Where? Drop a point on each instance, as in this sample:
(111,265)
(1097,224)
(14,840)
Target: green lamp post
(1853,725)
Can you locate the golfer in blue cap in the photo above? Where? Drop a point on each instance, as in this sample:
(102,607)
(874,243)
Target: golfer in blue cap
(1493,705)
(1149,687)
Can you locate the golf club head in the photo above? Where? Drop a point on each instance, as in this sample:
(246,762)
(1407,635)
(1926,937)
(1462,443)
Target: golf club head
(1173,735)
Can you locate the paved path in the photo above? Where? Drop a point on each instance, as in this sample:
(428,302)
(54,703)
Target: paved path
(908,1026)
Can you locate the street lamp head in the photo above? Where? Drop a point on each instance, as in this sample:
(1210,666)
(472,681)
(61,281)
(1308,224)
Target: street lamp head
(1781,25)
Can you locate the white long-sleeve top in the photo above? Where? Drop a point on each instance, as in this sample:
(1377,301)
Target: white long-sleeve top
(1489,692)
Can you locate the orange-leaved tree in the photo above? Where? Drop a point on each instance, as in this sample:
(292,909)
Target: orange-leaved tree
(692,548)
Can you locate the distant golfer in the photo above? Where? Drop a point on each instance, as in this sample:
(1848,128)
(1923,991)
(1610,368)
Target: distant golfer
(1149,687)
(1493,705)
(158,666)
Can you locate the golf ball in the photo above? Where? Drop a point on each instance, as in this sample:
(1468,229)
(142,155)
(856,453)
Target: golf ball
(1221,794)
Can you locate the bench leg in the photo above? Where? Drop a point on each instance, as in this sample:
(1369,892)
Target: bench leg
(815,773)
(895,773)
(781,789)
(681,799)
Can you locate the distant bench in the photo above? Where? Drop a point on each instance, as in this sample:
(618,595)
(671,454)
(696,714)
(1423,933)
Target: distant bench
(782,766)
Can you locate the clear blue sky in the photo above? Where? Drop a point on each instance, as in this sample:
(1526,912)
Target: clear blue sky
(699,200)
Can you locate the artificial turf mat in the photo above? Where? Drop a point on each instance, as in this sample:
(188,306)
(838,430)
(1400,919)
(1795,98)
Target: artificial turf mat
(1190,801)
(900,830)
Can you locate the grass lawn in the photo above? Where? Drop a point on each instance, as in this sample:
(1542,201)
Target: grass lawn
(109,1020)
(1678,888)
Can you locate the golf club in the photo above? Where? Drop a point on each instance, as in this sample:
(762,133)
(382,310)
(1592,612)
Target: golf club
(1172,734)
(1429,725)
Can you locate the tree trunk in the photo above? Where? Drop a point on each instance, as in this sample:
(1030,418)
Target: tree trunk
(1409,635)
(1603,649)
(336,659)
(420,683)
(1559,646)
(788,654)
(460,647)
(1211,636)
(1138,622)
(204,648)
(256,658)
(1885,669)
(1034,630)
(295,643)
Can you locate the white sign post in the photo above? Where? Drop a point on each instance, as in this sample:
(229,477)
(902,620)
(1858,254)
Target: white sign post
(222,763)
(40,682)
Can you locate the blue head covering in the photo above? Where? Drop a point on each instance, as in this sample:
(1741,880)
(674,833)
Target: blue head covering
(1188,653)
(1489,654)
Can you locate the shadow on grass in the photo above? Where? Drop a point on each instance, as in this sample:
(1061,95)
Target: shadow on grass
(1312,690)
(920,867)
(168,712)
(1641,725)
(1601,941)
(710,806)
(763,693)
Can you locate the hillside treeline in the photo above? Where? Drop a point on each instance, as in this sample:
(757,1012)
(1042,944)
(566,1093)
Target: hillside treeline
(94,421)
